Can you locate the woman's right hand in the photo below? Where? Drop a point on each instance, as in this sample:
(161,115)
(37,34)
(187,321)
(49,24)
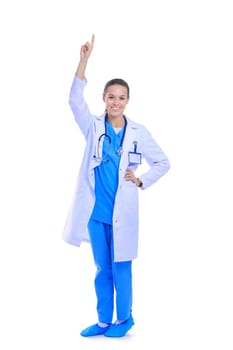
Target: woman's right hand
(87,48)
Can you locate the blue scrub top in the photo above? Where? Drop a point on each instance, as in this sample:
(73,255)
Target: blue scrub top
(106,176)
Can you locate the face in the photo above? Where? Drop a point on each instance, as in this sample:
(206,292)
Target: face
(116,100)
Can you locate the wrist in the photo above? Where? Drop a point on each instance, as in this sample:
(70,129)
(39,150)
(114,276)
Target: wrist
(139,182)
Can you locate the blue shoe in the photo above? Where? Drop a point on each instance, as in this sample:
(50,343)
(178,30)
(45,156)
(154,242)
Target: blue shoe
(119,330)
(95,329)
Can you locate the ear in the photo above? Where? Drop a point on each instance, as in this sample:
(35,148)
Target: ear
(104,98)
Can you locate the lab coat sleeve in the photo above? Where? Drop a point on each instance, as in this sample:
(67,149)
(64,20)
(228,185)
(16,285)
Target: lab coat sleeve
(79,106)
(156,159)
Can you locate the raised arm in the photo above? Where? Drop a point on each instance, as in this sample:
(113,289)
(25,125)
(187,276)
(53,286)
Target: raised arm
(85,52)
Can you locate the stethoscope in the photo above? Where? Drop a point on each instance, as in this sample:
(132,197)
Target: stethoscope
(119,151)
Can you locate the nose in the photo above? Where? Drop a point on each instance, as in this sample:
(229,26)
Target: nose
(116,101)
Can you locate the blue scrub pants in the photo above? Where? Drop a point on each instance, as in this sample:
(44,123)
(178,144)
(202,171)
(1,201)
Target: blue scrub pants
(110,276)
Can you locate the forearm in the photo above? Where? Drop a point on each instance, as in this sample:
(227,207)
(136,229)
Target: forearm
(81,69)
(155,173)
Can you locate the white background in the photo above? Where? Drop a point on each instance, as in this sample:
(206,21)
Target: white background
(177,58)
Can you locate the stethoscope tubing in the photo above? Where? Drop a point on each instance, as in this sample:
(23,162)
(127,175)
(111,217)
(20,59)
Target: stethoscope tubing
(120,149)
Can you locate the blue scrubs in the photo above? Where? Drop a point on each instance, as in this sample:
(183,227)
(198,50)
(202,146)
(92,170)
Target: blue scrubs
(110,275)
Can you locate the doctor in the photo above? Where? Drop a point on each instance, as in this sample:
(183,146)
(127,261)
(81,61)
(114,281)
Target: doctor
(104,211)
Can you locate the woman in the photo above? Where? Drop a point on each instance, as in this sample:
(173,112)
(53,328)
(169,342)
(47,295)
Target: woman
(104,211)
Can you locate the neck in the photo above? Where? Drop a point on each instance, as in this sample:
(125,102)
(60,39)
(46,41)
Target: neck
(118,122)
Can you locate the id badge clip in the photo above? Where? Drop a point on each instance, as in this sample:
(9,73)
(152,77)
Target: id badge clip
(134,157)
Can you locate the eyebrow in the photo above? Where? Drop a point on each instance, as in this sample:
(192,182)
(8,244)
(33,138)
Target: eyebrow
(111,94)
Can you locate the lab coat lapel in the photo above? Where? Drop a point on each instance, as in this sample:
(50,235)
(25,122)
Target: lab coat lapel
(100,126)
(128,144)
(97,147)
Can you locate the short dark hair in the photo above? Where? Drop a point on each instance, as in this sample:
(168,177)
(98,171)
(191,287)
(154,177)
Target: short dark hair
(116,81)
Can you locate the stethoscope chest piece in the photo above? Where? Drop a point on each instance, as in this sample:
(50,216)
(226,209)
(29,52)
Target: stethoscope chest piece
(119,151)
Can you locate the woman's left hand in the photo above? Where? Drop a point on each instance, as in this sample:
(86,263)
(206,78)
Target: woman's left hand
(129,176)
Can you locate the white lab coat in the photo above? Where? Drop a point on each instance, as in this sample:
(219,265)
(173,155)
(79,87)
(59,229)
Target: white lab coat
(125,213)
